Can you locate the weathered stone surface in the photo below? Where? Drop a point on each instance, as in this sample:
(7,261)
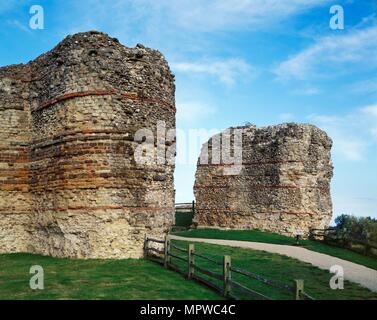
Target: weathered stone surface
(283,187)
(69,182)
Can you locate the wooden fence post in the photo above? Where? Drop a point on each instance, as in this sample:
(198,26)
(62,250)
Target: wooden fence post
(191,260)
(299,289)
(366,248)
(227,275)
(145,247)
(167,251)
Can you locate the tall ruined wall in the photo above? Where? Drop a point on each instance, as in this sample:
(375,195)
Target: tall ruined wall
(283,187)
(89,196)
(15,199)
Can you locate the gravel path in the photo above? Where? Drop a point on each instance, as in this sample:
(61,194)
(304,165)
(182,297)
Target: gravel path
(353,272)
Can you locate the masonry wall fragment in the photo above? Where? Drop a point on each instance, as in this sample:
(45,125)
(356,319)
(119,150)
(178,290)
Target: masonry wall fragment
(70,185)
(283,187)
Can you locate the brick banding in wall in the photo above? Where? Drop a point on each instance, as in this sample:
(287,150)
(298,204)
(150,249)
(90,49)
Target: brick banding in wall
(283,185)
(125,95)
(86,136)
(9,211)
(104,208)
(267,213)
(256,186)
(69,183)
(257,163)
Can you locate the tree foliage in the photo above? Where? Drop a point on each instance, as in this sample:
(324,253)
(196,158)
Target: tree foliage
(361,228)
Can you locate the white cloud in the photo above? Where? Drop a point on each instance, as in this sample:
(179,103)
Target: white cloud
(368,20)
(333,54)
(374,132)
(370,110)
(18,25)
(308,91)
(351,133)
(366,86)
(361,206)
(6,5)
(194,111)
(194,15)
(12,5)
(211,15)
(226,71)
(351,148)
(329,120)
(286,116)
(371,113)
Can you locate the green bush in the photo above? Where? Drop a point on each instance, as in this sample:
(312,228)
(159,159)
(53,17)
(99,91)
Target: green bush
(183,219)
(360,228)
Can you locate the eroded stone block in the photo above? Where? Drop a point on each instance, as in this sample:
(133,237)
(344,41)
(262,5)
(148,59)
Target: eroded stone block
(283,186)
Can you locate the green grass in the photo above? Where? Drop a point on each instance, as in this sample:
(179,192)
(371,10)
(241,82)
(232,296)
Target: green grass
(95,279)
(183,219)
(141,279)
(259,236)
(276,267)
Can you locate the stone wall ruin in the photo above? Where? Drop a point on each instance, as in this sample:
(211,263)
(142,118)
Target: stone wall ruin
(69,183)
(283,187)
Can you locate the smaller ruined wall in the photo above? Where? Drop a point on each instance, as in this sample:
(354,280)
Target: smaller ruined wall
(283,186)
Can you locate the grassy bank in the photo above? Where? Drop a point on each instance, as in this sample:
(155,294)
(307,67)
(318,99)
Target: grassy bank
(275,267)
(266,237)
(183,219)
(95,279)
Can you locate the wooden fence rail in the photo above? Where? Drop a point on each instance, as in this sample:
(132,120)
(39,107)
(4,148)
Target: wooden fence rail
(331,236)
(194,271)
(184,213)
(184,206)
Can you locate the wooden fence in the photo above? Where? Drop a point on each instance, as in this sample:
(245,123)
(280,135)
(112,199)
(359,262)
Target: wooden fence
(228,285)
(331,236)
(185,210)
(185,207)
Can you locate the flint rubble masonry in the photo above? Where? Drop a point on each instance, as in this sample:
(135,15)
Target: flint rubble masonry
(283,187)
(69,183)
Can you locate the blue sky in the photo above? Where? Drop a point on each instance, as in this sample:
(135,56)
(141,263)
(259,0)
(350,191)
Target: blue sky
(258,61)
